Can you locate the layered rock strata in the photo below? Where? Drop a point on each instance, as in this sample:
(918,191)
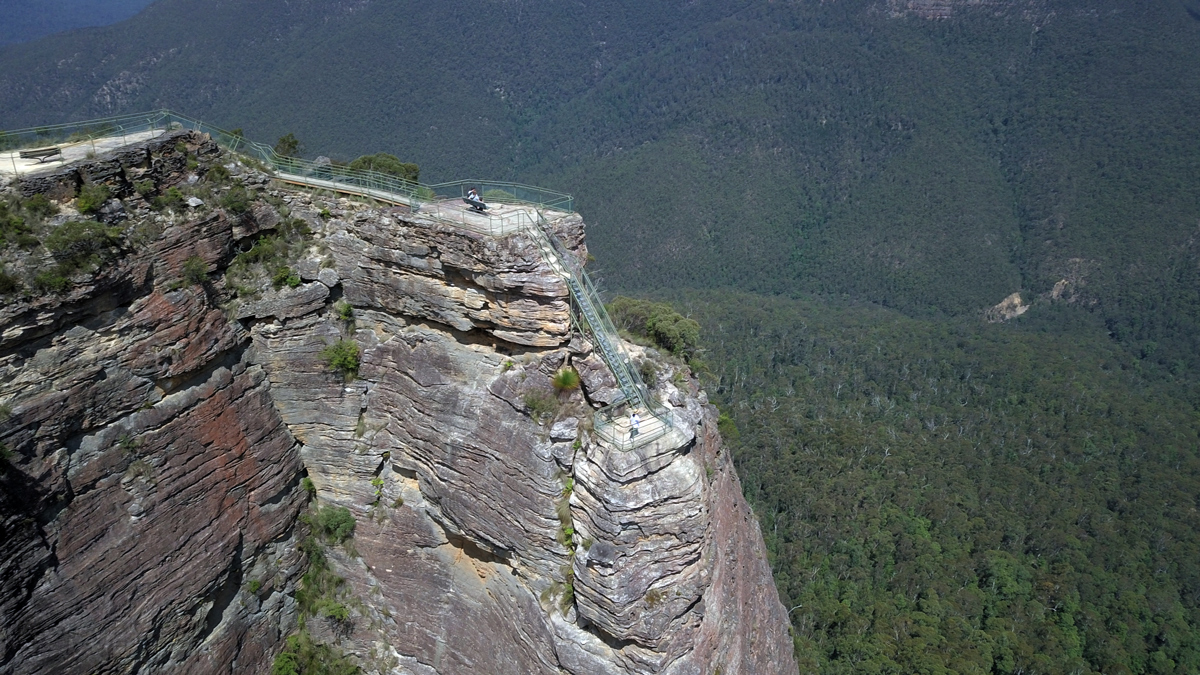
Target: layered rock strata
(162,435)
(149,476)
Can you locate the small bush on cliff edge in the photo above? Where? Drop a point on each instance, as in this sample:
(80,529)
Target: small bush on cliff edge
(333,523)
(302,656)
(565,379)
(342,356)
(91,197)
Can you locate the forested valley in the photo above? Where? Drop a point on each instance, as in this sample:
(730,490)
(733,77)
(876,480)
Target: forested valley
(943,497)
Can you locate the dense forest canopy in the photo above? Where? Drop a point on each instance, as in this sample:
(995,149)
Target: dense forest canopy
(943,497)
(26,20)
(836,192)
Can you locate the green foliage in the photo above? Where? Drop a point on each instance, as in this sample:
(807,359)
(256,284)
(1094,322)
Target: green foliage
(91,197)
(237,200)
(195,270)
(287,146)
(307,485)
(344,311)
(144,188)
(302,656)
(565,379)
(254,586)
(389,164)
(541,405)
(945,496)
(648,372)
(128,444)
(285,276)
(342,356)
(8,283)
(334,524)
(40,206)
(54,280)
(217,173)
(14,229)
(658,322)
(78,245)
(173,199)
(269,255)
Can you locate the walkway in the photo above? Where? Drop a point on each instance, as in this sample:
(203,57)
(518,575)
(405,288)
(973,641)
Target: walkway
(523,211)
(11,163)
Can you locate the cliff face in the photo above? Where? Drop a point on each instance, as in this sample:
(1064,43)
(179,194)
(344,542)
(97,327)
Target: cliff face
(159,437)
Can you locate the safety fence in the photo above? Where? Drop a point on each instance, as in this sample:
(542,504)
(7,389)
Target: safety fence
(634,420)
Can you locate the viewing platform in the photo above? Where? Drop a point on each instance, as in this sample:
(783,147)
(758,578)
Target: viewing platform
(511,208)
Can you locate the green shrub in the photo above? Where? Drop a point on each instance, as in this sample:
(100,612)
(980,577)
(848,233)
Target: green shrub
(541,405)
(8,283)
(91,197)
(335,523)
(388,164)
(254,586)
(344,311)
(78,243)
(236,200)
(51,281)
(287,146)
(498,196)
(41,206)
(302,656)
(285,276)
(307,485)
(217,173)
(195,270)
(144,188)
(565,379)
(12,224)
(267,249)
(648,372)
(343,357)
(172,199)
(657,321)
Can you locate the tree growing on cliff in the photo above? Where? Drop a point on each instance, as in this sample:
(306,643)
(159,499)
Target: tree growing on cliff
(287,145)
(342,356)
(390,164)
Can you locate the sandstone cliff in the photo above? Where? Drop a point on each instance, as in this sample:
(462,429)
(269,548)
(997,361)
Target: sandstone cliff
(161,412)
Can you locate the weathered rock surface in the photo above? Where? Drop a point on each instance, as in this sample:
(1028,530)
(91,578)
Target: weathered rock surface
(161,439)
(150,473)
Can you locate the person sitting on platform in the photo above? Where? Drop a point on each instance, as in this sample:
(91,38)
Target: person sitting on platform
(475,201)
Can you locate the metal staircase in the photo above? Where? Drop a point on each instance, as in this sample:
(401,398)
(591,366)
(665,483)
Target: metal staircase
(591,319)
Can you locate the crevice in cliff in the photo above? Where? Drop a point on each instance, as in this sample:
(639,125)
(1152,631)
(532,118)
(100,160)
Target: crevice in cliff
(475,551)
(614,642)
(94,313)
(225,593)
(290,488)
(226,359)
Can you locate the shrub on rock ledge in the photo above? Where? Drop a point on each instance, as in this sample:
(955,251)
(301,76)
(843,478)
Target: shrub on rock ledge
(342,356)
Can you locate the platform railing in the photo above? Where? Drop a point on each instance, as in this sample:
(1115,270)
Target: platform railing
(527,206)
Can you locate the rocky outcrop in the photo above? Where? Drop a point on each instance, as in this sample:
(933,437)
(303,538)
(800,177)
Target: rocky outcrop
(149,475)
(162,428)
